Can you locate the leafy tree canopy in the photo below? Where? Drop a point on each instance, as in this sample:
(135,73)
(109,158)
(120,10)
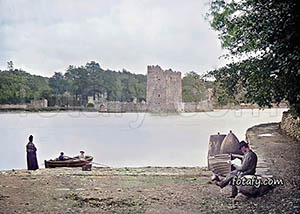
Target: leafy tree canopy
(91,79)
(18,86)
(263,36)
(193,87)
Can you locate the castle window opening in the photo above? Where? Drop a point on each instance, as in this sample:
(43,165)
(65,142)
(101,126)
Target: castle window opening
(159,95)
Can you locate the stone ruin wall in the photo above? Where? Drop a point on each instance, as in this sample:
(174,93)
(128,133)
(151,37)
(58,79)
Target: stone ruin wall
(202,106)
(115,106)
(13,106)
(33,104)
(164,90)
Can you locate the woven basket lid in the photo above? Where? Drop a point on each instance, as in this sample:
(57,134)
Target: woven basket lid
(230,144)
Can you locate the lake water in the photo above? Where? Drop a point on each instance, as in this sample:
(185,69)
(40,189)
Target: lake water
(123,139)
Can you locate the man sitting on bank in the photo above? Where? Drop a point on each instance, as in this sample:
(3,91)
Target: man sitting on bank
(248,168)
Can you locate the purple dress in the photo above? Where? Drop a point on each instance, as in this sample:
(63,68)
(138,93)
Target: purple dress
(32,163)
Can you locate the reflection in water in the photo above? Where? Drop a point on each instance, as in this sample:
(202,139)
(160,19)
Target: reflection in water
(131,139)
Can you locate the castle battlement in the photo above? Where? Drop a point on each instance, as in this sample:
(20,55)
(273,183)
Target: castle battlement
(154,68)
(157,68)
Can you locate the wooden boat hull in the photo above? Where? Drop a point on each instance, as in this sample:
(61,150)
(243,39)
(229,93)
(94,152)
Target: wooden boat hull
(222,148)
(219,164)
(75,162)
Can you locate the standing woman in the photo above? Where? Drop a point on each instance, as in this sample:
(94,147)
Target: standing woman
(32,163)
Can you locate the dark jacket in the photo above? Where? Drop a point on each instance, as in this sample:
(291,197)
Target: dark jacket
(249,164)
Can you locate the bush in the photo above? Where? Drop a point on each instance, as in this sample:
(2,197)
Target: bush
(90,105)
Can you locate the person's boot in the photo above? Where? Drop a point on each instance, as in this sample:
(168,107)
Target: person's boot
(218,183)
(215,178)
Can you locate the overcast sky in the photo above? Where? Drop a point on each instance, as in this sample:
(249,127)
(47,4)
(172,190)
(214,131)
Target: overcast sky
(42,36)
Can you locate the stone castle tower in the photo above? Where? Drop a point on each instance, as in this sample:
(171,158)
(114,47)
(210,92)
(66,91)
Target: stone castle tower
(164,90)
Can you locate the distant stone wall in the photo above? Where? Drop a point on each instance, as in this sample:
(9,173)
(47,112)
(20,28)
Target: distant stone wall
(233,106)
(11,106)
(167,107)
(290,125)
(198,106)
(144,107)
(38,103)
(32,104)
(247,106)
(63,101)
(122,107)
(115,106)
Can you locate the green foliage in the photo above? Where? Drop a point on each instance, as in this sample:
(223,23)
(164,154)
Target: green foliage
(92,79)
(194,87)
(263,34)
(58,83)
(90,105)
(222,97)
(17,86)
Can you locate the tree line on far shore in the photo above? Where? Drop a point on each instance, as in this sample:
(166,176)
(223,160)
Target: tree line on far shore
(18,86)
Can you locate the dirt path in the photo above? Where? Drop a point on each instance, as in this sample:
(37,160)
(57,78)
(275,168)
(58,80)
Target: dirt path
(282,155)
(151,189)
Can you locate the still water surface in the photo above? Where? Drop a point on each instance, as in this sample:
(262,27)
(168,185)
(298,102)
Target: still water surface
(124,139)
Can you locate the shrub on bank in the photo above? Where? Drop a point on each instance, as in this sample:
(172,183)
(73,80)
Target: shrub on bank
(90,105)
(290,125)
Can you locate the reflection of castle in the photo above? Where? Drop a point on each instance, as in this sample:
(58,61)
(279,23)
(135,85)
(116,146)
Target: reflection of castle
(164,91)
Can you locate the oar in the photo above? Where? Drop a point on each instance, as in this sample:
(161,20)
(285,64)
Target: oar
(87,161)
(100,164)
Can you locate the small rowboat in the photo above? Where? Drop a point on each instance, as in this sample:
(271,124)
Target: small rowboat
(221,150)
(71,162)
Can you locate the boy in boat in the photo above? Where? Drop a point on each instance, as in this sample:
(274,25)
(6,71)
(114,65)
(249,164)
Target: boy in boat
(81,156)
(248,168)
(61,157)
